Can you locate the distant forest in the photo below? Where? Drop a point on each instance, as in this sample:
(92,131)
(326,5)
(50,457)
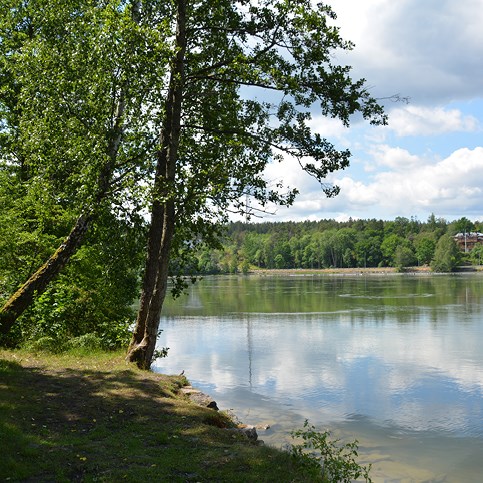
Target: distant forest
(320,244)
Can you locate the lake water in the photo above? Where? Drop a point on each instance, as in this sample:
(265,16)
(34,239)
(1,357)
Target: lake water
(394,361)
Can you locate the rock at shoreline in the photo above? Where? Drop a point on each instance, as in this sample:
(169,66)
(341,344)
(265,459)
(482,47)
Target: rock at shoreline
(249,431)
(206,401)
(199,397)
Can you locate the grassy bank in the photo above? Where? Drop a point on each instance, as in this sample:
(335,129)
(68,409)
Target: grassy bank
(76,417)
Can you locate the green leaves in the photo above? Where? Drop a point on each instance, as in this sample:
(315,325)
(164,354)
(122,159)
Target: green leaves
(255,72)
(446,255)
(322,455)
(84,94)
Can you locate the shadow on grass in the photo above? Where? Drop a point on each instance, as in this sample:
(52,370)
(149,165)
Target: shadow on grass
(71,421)
(73,424)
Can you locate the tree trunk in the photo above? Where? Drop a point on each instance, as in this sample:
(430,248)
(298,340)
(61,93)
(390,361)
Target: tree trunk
(141,350)
(163,212)
(39,281)
(150,271)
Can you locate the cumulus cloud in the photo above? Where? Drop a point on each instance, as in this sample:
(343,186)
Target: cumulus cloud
(449,186)
(427,50)
(394,157)
(426,121)
(429,159)
(402,184)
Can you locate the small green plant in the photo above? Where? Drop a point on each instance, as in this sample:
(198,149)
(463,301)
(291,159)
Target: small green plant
(86,342)
(160,353)
(45,344)
(319,454)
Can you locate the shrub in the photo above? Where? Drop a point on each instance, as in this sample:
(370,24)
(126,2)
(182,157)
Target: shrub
(320,455)
(87,342)
(45,344)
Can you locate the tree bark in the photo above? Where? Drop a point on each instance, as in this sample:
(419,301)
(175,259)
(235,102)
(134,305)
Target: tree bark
(163,211)
(39,281)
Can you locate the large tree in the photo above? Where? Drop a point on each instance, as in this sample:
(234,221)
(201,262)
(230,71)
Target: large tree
(447,255)
(244,80)
(221,88)
(75,123)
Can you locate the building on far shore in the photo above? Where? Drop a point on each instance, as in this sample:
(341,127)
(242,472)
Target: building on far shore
(467,241)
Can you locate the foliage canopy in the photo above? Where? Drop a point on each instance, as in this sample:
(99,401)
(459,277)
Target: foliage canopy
(112,106)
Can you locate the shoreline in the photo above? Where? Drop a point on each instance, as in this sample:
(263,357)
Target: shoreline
(96,416)
(424,270)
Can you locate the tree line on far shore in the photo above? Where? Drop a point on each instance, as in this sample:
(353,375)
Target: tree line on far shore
(398,243)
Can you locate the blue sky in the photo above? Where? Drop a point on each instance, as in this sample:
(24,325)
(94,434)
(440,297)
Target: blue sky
(429,159)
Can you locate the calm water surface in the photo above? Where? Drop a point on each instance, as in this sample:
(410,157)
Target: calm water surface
(393,361)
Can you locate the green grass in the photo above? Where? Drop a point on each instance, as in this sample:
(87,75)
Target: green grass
(91,417)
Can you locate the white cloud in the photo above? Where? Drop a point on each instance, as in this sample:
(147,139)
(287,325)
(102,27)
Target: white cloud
(425,50)
(452,185)
(429,158)
(291,175)
(417,121)
(403,185)
(328,128)
(394,157)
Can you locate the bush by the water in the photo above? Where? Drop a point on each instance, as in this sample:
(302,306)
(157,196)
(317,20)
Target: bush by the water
(319,454)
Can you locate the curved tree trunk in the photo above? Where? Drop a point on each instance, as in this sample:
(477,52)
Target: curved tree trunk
(163,213)
(39,281)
